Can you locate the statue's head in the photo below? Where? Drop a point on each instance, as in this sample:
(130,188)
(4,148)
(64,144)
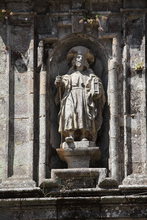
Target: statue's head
(79,61)
(80,58)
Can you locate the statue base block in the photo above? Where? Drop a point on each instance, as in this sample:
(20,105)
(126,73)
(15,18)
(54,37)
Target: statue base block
(18,182)
(79,153)
(68,179)
(135,179)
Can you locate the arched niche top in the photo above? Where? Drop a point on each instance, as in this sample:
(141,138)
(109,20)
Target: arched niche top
(58,62)
(58,65)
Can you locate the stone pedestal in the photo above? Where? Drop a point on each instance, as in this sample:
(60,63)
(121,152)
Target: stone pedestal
(135,179)
(79,153)
(77,178)
(18,182)
(78,175)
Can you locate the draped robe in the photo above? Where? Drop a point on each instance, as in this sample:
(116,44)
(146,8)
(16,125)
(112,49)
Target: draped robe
(81,106)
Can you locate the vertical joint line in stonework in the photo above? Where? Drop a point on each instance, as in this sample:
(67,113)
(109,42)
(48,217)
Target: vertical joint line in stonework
(35,106)
(10,149)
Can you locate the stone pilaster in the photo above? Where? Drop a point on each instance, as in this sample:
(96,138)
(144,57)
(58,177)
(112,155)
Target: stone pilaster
(42,119)
(114,111)
(19,149)
(135,103)
(4,95)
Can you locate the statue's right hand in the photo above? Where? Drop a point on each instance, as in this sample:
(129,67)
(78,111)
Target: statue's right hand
(58,81)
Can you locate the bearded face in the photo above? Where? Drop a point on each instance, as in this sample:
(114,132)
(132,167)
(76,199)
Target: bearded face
(79,60)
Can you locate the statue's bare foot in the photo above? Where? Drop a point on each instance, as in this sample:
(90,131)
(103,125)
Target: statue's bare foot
(69,139)
(84,139)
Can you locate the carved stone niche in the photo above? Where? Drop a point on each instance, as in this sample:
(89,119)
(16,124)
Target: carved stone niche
(58,66)
(80,168)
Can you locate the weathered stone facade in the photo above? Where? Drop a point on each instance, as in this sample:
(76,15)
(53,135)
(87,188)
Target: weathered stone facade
(35,37)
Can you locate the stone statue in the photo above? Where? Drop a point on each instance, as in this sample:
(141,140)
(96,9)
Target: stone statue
(82,99)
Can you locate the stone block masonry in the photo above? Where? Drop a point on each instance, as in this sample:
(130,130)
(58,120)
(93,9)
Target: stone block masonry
(35,37)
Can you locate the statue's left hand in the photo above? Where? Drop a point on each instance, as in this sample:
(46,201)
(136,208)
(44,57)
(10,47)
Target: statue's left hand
(96,95)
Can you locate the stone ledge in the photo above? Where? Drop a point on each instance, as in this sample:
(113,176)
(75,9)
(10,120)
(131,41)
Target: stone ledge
(100,199)
(21,193)
(88,192)
(123,191)
(106,207)
(133,189)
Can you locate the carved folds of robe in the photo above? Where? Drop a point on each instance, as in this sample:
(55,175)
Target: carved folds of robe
(82,102)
